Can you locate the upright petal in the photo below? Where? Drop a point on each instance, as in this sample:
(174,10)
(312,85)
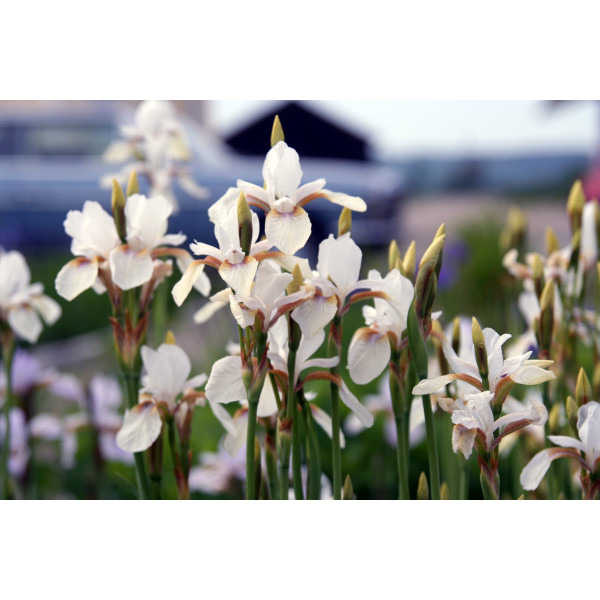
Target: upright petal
(225,381)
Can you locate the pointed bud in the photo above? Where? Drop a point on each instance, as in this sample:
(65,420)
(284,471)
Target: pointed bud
(456,334)
(444,491)
(118,210)
(409,262)
(133,187)
(277,132)
(554,419)
(393,255)
(442,360)
(348,491)
(575,205)
(572,410)
(552,243)
(170,338)
(583,389)
(345,222)
(423,488)
(575,245)
(244,215)
(433,252)
(481,356)
(297,281)
(416,343)
(537,273)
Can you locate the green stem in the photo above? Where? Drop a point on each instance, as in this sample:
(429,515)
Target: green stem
(551,475)
(296,453)
(250,466)
(159,314)
(334,349)
(181,481)
(402,458)
(314,459)
(8,352)
(434,465)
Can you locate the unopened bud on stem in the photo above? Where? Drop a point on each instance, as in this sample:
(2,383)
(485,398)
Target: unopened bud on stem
(552,243)
(118,210)
(277,132)
(393,255)
(423,487)
(345,222)
(409,262)
(575,205)
(481,356)
(348,491)
(244,215)
(133,187)
(583,389)
(297,281)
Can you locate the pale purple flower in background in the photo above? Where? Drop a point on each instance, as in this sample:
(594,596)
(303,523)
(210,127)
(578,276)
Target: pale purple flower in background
(19,441)
(23,305)
(218,472)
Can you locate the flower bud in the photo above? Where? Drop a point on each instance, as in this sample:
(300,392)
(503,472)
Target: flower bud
(297,281)
(133,186)
(348,491)
(554,419)
(244,215)
(537,273)
(423,487)
(552,243)
(170,338)
(118,210)
(481,356)
(583,389)
(442,360)
(513,235)
(575,205)
(575,245)
(456,334)
(572,410)
(416,343)
(393,255)
(345,222)
(444,491)
(277,132)
(409,261)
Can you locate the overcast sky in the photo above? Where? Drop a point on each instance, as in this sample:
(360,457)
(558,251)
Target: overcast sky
(448,127)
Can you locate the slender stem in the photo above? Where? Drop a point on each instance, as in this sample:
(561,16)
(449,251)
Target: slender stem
(314,460)
(7,359)
(434,465)
(402,458)
(182,487)
(159,314)
(551,475)
(334,349)
(250,466)
(271,460)
(296,453)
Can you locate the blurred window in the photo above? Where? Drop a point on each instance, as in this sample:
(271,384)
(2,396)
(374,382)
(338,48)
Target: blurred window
(55,139)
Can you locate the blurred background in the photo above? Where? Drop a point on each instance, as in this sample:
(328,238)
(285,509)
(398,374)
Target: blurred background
(416,164)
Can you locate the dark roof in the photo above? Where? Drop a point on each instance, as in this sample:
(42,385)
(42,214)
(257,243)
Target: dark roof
(306,131)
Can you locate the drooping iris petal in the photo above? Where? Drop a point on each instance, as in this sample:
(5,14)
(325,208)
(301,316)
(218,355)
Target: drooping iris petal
(48,308)
(239,276)
(351,401)
(184,286)
(25,322)
(463,440)
(314,314)
(368,355)
(130,268)
(75,277)
(536,468)
(289,231)
(225,381)
(141,427)
(352,202)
